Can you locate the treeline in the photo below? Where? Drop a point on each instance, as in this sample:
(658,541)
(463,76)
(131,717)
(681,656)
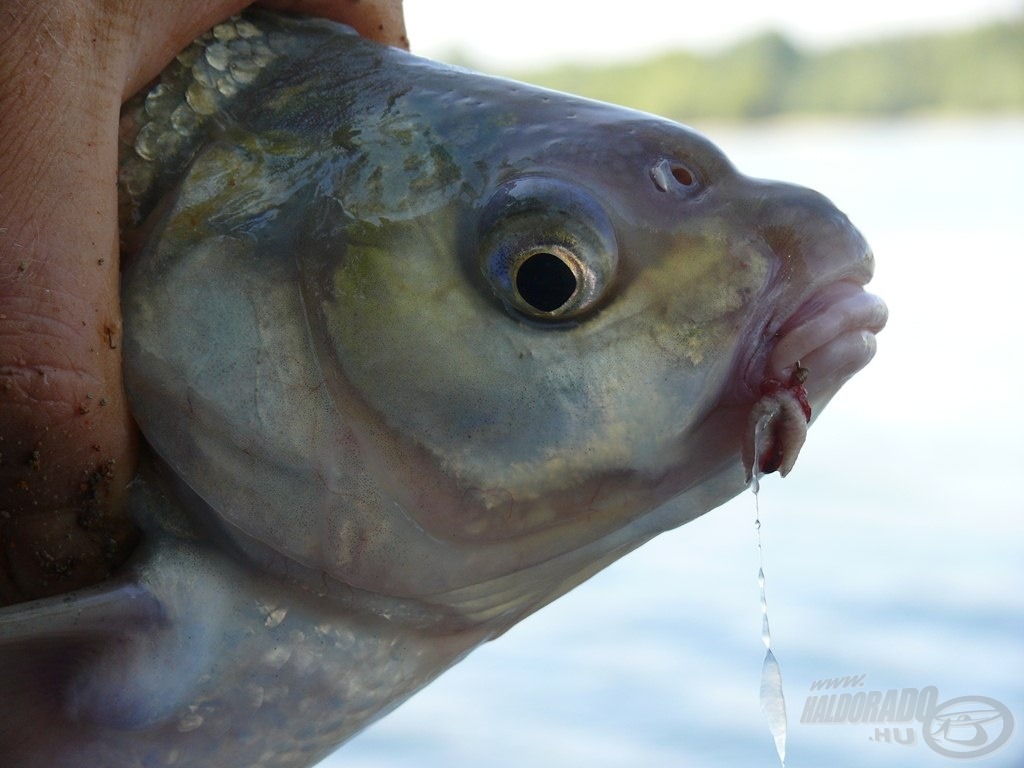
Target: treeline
(981,70)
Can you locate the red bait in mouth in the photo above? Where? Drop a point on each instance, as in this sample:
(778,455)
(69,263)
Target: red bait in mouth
(777,425)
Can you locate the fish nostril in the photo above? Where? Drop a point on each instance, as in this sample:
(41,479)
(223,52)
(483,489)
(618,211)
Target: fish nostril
(683,175)
(669,174)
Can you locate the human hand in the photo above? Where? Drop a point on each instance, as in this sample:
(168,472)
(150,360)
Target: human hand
(67,443)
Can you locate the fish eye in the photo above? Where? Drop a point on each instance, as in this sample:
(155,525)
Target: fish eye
(547,248)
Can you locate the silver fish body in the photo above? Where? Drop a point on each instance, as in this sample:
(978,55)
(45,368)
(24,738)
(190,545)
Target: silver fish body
(416,351)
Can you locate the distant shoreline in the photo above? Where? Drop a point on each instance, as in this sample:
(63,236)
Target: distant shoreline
(979,71)
(810,121)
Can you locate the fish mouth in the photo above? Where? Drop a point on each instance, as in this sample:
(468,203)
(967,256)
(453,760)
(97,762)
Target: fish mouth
(828,338)
(831,334)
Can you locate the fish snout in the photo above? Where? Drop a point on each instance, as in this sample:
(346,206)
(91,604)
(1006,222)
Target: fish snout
(814,241)
(823,263)
(820,323)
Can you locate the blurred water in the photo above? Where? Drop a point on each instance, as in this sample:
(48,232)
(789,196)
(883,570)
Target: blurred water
(893,550)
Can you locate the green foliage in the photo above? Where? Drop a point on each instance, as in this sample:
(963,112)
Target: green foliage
(980,70)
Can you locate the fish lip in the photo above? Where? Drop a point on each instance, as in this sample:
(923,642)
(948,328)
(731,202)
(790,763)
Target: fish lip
(832,307)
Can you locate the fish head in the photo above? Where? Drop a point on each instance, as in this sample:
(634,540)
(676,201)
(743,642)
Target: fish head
(454,344)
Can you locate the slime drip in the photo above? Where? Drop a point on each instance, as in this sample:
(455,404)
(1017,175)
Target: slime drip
(773,704)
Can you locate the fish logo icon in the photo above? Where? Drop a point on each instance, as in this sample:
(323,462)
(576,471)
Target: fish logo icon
(968,727)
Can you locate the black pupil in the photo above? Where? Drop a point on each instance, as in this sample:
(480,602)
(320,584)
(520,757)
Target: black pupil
(545,282)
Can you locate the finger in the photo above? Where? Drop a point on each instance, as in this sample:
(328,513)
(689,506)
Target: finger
(380,20)
(65,435)
(158,31)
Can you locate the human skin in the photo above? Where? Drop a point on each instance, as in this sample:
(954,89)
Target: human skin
(68,446)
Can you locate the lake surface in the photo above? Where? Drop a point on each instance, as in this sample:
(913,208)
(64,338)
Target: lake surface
(893,552)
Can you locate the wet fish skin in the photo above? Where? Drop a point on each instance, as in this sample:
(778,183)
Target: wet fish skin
(371,453)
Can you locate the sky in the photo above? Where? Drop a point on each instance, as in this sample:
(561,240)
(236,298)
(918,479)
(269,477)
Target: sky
(531,33)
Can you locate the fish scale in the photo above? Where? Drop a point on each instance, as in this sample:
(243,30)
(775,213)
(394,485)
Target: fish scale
(161,128)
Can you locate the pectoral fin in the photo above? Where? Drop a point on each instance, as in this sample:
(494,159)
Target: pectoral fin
(89,615)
